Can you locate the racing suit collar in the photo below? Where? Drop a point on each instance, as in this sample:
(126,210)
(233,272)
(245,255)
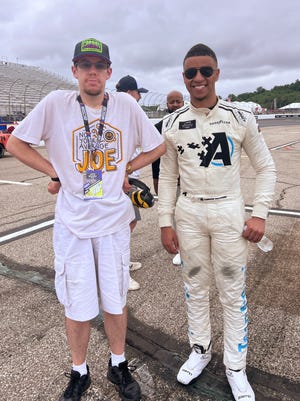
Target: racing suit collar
(205,110)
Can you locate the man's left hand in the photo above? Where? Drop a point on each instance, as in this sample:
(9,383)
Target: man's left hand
(254,229)
(54,187)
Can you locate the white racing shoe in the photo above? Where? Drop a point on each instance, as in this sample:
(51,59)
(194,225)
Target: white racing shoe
(194,366)
(240,386)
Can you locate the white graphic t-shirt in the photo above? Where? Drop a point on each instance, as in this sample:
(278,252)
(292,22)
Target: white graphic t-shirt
(57,120)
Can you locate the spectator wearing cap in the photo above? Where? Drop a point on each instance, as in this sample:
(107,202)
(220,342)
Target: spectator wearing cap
(129,85)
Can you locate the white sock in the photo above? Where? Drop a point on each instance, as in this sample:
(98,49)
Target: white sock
(117,359)
(82,369)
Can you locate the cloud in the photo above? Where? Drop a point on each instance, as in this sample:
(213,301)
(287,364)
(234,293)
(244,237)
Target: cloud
(256,41)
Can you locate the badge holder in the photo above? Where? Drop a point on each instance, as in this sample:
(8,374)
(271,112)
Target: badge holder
(92,184)
(92,179)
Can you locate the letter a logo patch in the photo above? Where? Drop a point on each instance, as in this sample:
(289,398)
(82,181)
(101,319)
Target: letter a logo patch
(219,150)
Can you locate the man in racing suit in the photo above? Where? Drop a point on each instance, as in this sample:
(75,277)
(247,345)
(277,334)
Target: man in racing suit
(204,144)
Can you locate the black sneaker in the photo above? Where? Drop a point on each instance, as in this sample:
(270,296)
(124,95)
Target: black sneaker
(129,389)
(77,386)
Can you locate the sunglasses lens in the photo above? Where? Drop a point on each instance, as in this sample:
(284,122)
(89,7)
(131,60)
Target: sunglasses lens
(206,71)
(190,73)
(100,66)
(86,65)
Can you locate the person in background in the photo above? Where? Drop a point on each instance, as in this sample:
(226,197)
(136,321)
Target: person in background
(90,137)
(129,85)
(10,129)
(205,141)
(174,102)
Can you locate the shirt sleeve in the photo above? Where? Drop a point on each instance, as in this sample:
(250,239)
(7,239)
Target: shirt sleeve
(263,164)
(167,185)
(32,128)
(156,164)
(149,137)
(155,168)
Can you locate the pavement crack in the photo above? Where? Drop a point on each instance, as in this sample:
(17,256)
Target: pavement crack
(283,194)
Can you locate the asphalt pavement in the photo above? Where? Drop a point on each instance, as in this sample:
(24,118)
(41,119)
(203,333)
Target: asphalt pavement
(33,348)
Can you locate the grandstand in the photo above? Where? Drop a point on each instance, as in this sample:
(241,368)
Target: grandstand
(22,87)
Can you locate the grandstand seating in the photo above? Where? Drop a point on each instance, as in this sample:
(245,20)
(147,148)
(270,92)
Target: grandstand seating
(22,87)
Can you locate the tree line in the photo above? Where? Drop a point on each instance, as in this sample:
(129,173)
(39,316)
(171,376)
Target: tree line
(274,98)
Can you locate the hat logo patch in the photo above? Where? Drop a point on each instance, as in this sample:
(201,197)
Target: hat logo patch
(91,46)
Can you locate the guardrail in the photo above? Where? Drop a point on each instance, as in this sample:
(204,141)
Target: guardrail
(278,212)
(274,211)
(277,115)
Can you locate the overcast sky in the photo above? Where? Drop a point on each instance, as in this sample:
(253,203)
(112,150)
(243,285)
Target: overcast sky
(257,42)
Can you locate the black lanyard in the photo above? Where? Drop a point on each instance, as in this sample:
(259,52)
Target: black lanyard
(86,121)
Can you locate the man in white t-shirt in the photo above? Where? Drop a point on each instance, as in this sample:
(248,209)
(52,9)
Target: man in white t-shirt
(90,137)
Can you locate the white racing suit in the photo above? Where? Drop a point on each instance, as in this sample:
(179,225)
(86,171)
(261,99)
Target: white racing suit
(204,148)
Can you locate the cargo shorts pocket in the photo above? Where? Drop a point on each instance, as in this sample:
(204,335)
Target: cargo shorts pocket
(61,282)
(125,273)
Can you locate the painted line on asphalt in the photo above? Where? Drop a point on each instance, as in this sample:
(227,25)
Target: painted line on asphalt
(15,182)
(284,145)
(26,231)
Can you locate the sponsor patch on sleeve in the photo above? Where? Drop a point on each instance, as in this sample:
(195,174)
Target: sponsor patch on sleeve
(190,124)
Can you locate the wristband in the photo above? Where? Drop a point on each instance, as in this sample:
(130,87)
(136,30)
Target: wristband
(128,168)
(56,179)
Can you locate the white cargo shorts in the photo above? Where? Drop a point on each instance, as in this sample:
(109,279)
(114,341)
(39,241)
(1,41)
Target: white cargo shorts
(91,273)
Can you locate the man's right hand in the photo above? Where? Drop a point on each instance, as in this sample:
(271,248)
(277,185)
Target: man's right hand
(169,239)
(126,185)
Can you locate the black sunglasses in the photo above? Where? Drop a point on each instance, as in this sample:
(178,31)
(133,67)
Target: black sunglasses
(87,65)
(206,72)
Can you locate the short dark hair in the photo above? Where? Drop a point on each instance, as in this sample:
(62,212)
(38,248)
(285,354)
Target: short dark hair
(200,50)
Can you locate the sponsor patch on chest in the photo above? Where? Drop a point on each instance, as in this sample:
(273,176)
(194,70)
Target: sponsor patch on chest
(190,124)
